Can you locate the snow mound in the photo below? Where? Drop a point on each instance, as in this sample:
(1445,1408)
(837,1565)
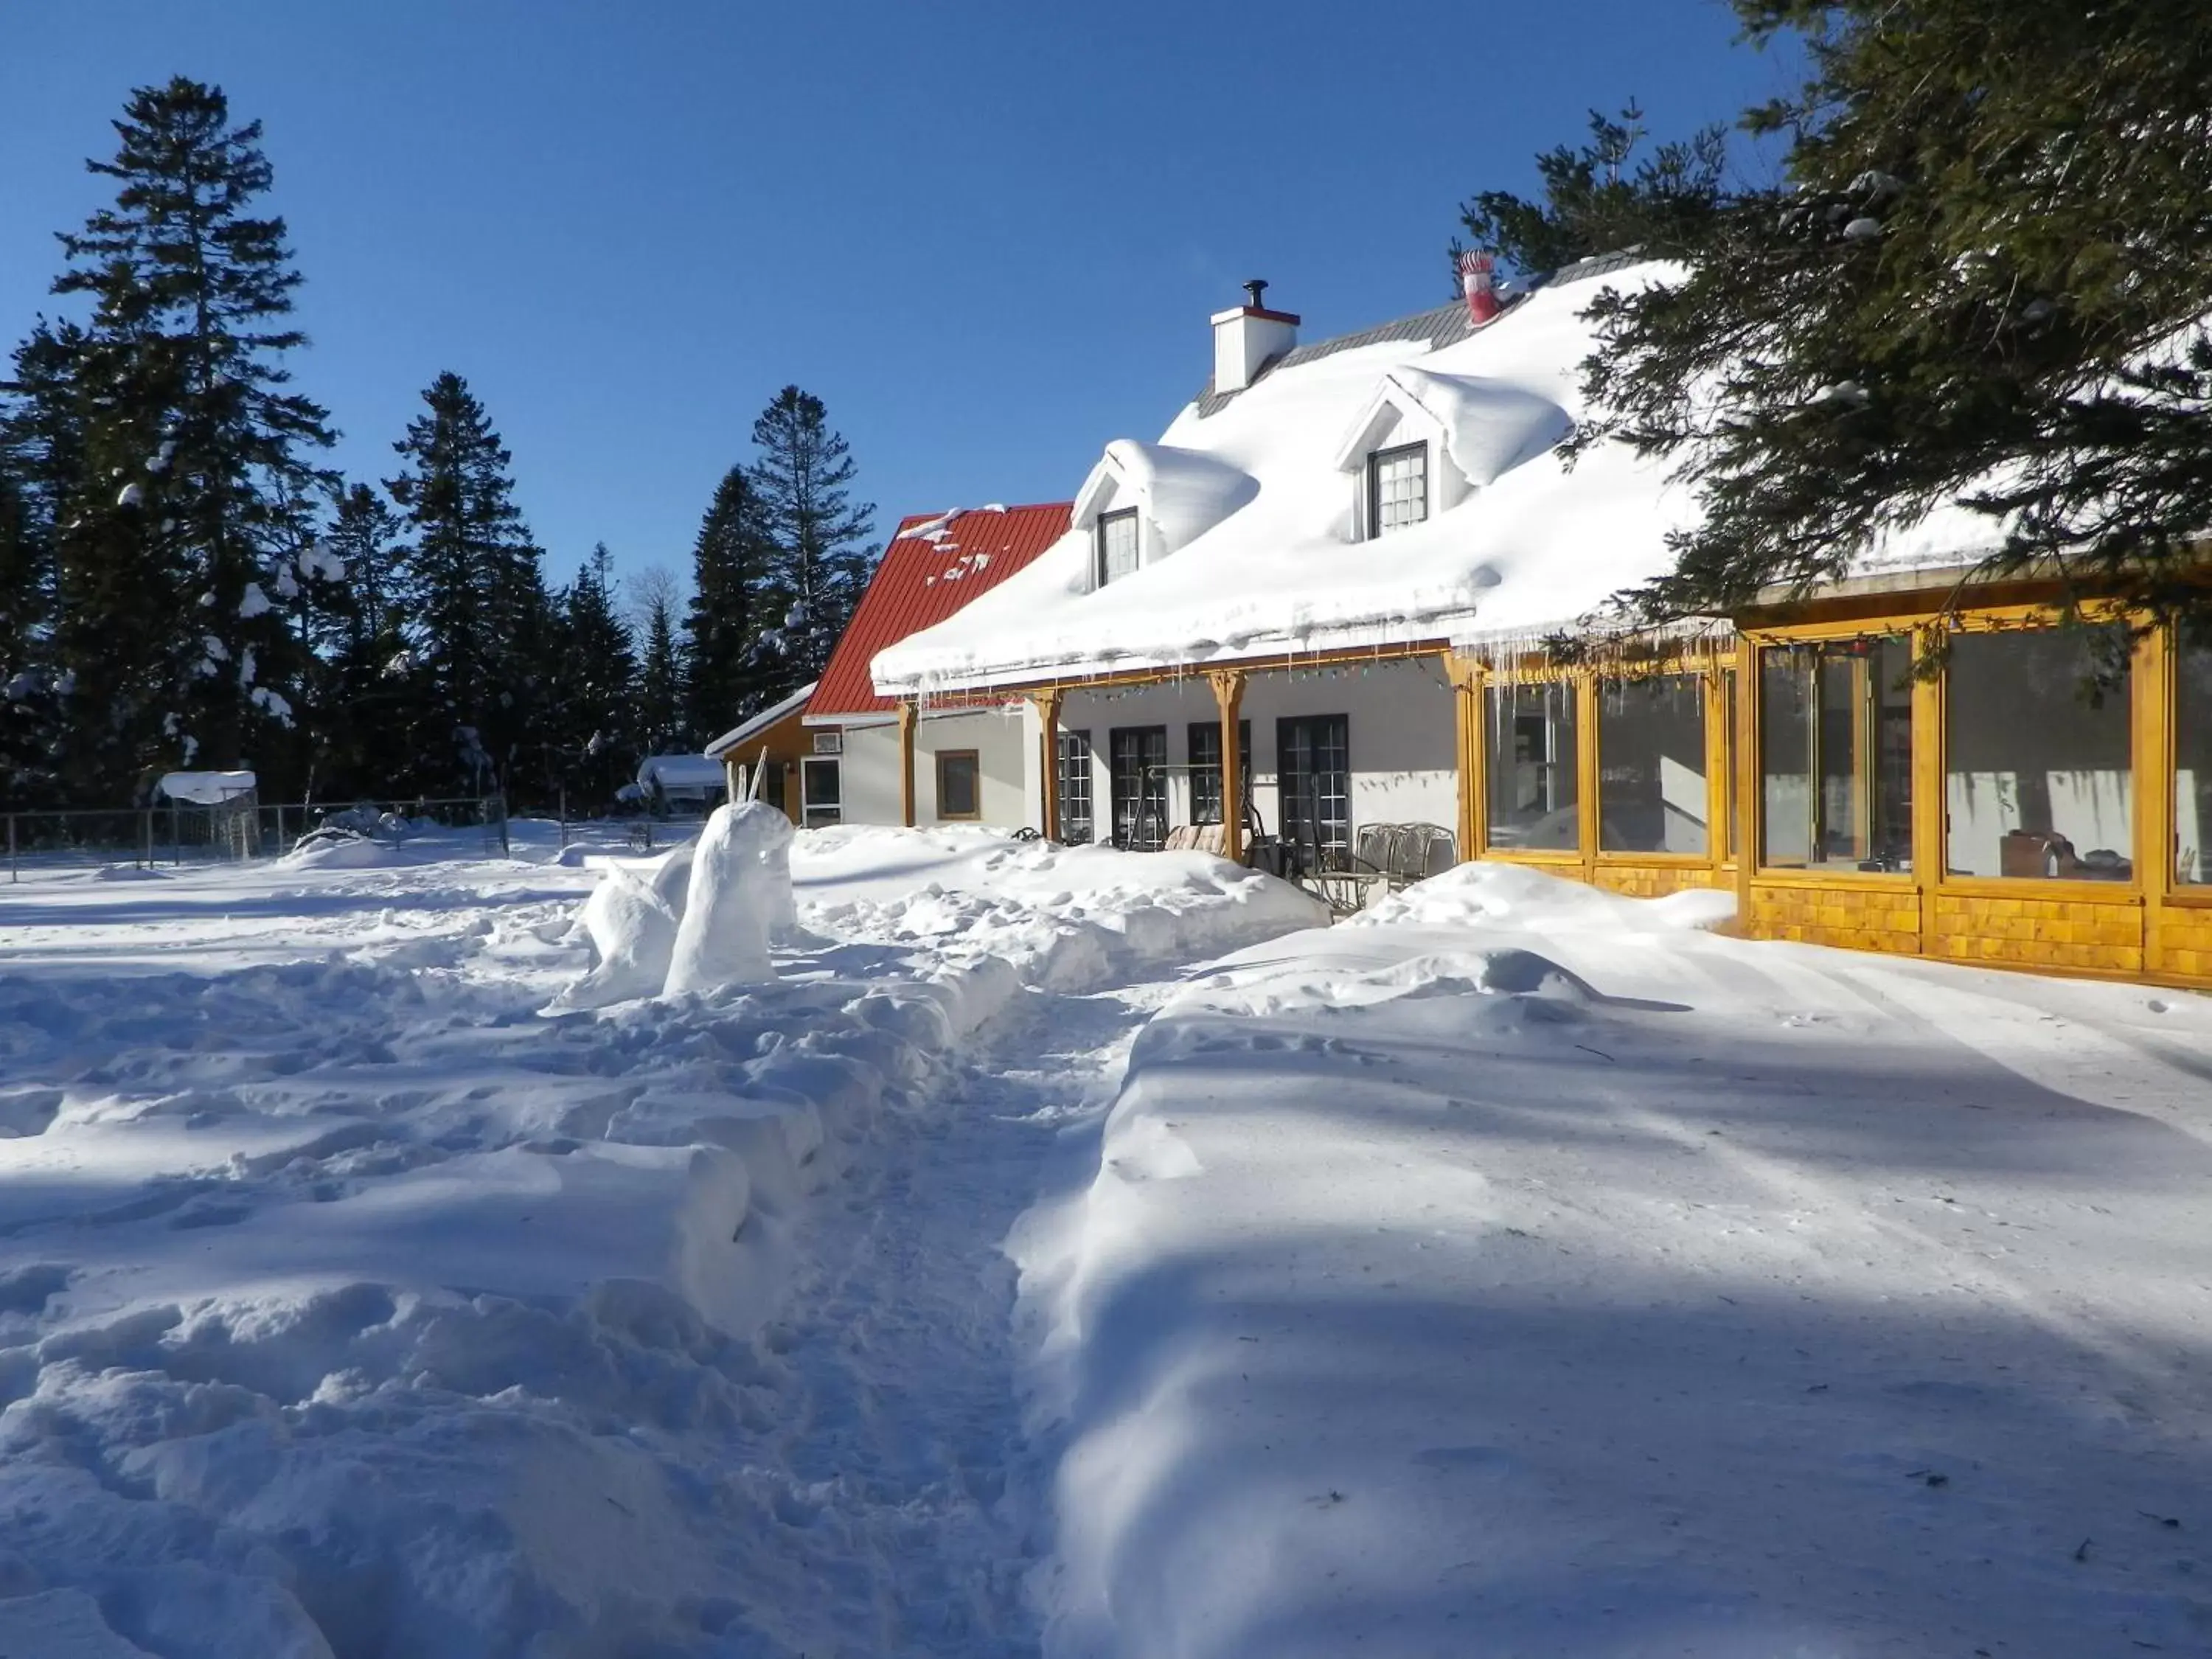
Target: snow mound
(739,895)
(1482,894)
(632,932)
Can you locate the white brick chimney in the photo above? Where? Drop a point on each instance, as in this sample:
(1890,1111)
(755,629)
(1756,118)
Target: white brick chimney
(1247,336)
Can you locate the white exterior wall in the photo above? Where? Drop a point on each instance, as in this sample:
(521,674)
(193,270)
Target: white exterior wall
(1400,716)
(1004,740)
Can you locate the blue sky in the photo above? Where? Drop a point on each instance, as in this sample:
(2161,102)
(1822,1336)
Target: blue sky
(988,235)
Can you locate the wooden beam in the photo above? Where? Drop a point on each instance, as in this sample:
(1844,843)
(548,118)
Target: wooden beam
(1750,792)
(1047,707)
(1229,697)
(1465,675)
(2155,702)
(1931,814)
(908,714)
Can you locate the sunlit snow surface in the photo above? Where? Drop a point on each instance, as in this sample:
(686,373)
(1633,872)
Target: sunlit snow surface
(1516,1270)
(349,1305)
(1523,1270)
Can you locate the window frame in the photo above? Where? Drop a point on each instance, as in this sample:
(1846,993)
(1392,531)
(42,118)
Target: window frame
(975,759)
(1377,460)
(1077,762)
(810,766)
(1128,515)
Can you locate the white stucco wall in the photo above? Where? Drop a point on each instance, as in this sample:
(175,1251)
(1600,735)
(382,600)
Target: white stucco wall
(1398,716)
(1003,740)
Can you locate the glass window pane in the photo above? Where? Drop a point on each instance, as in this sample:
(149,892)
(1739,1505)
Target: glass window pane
(1205,772)
(2192,764)
(2037,758)
(959,790)
(1836,755)
(1117,545)
(1651,755)
(1400,487)
(1532,767)
(1076,827)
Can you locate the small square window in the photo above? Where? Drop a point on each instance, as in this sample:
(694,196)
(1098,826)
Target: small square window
(1397,488)
(1117,545)
(959,784)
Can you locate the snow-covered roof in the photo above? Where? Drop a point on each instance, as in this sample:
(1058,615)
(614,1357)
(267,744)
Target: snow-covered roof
(1252,551)
(204,788)
(680,772)
(745,731)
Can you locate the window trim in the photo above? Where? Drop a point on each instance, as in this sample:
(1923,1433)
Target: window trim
(1375,461)
(974,758)
(1100,579)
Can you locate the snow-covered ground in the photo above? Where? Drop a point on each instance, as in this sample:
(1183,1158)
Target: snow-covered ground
(349,1304)
(1523,1270)
(1085,1253)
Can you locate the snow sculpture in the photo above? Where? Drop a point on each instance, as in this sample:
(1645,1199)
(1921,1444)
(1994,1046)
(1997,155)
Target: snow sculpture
(740,892)
(634,932)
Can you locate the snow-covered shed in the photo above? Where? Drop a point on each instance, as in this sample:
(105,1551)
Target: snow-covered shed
(1324,594)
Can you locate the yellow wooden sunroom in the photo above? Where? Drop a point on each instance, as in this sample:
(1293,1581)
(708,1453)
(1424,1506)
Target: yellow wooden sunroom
(2013,808)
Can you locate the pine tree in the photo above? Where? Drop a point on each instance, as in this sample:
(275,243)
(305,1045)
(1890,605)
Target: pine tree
(802,482)
(599,673)
(475,587)
(735,600)
(1983,278)
(1594,202)
(198,500)
(661,697)
(41,474)
(365,712)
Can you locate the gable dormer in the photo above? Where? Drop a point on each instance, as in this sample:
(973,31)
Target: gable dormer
(1424,442)
(1143,502)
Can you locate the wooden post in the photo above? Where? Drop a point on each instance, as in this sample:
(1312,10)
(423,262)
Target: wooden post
(1931,816)
(1750,790)
(908,714)
(1586,683)
(1466,676)
(1229,697)
(2155,705)
(1047,707)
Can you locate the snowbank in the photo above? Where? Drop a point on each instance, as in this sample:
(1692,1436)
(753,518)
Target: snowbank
(1527,1270)
(348,1307)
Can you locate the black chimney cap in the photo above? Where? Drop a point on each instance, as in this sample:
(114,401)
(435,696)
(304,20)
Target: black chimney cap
(1253,290)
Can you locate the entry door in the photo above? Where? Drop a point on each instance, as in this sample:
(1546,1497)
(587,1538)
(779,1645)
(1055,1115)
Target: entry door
(1313,763)
(1136,762)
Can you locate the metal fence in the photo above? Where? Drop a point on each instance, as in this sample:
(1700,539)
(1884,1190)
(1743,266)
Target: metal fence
(176,833)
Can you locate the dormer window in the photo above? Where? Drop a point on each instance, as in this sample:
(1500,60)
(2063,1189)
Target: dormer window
(1117,545)
(1397,488)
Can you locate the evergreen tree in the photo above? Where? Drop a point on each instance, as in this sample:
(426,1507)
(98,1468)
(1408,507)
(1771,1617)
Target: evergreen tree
(1984,278)
(475,589)
(661,697)
(735,600)
(199,499)
(599,675)
(1595,202)
(41,474)
(366,711)
(802,482)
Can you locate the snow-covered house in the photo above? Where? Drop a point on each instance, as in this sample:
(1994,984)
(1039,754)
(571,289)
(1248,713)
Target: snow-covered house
(1325,591)
(678,783)
(876,759)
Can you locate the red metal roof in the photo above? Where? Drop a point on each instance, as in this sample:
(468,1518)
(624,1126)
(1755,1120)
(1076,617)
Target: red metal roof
(935,565)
